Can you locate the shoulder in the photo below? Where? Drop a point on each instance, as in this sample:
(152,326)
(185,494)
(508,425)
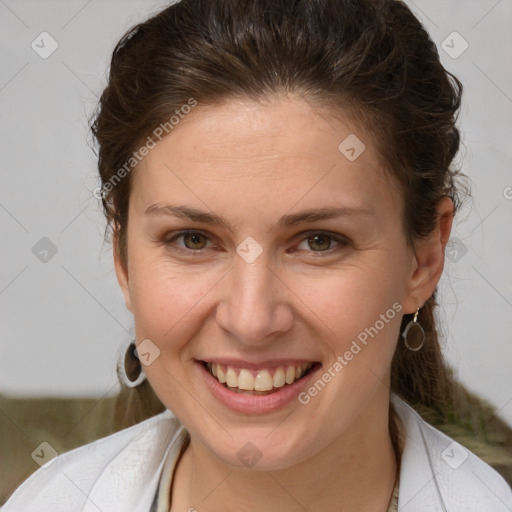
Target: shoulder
(123,467)
(437,473)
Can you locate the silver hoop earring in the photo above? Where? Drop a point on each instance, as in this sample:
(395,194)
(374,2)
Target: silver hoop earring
(129,369)
(414,335)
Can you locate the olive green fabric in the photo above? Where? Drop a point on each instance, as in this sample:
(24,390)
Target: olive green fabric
(63,423)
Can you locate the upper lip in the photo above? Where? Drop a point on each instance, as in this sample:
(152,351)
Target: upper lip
(269,363)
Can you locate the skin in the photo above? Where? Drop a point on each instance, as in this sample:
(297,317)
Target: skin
(252,163)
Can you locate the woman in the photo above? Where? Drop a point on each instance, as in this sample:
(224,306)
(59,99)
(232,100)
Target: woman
(277,177)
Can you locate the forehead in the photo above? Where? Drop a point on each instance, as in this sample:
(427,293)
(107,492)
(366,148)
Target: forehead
(243,130)
(283,151)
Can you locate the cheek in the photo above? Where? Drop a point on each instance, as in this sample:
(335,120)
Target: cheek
(358,313)
(352,295)
(360,322)
(166,297)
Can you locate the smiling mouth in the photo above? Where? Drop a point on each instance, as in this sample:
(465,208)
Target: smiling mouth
(258,382)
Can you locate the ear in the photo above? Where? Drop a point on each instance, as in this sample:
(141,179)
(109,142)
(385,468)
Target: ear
(429,259)
(121,271)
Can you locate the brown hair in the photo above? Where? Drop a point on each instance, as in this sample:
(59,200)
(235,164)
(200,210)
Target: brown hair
(371,58)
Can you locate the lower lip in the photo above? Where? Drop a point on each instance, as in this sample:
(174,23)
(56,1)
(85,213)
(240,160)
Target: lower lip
(255,404)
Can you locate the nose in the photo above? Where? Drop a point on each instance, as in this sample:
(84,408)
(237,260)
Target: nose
(255,303)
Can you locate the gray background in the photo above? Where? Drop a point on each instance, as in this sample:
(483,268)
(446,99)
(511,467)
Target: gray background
(63,319)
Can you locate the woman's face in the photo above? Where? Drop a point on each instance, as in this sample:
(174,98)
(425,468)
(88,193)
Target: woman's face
(266,281)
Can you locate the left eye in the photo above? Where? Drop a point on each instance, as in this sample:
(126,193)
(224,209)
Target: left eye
(320,242)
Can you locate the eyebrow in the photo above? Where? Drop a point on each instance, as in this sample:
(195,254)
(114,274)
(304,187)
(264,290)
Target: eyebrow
(287,221)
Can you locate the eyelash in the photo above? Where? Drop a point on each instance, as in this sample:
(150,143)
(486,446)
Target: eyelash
(341,241)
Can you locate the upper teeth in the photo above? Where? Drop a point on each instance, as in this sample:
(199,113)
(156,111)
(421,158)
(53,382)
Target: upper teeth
(260,380)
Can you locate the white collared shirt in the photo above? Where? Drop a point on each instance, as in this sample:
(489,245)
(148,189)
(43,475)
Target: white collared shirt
(122,472)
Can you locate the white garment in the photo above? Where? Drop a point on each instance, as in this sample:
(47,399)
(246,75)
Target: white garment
(121,472)
(162,497)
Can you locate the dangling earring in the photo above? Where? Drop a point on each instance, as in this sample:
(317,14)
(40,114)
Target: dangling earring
(414,335)
(129,369)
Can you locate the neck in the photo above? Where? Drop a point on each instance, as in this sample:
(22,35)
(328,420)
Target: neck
(355,472)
